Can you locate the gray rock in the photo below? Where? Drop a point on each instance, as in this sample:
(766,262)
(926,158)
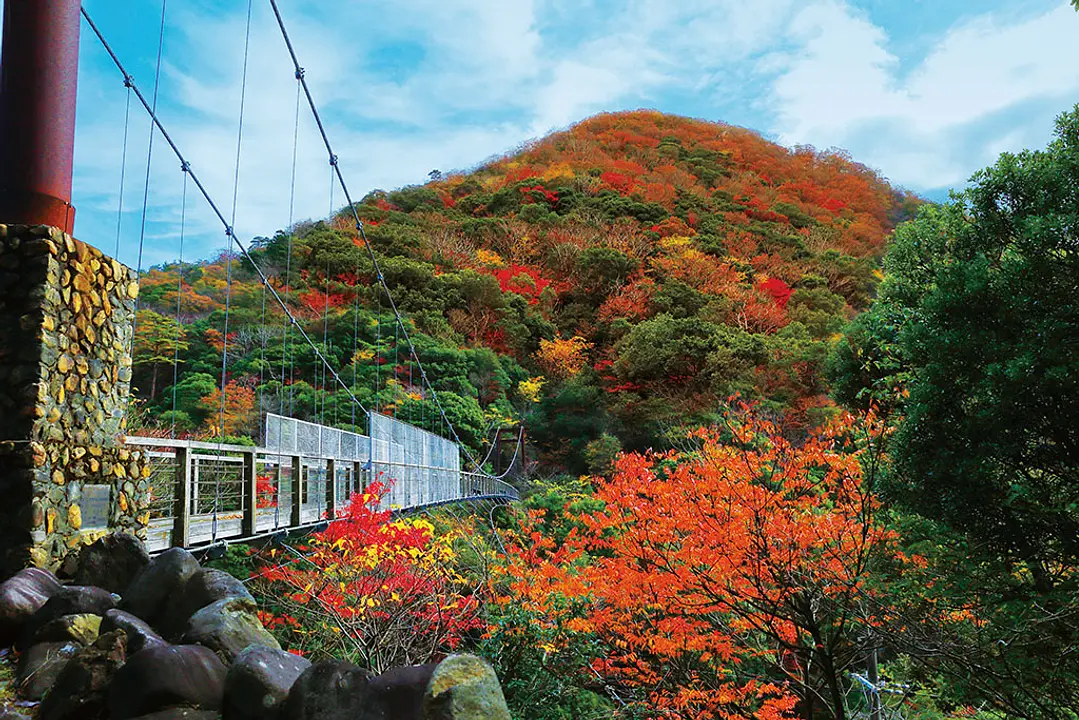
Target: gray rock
(81,689)
(162,579)
(40,665)
(399,693)
(162,677)
(21,596)
(181,713)
(82,629)
(70,600)
(112,562)
(139,633)
(228,627)
(203,588)
(464,687)
(259,682)
(330,690)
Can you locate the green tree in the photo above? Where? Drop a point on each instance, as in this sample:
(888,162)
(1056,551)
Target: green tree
(158,339)
(972,344)
(983,294)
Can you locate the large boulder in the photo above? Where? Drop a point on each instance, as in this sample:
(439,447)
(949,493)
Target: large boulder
(162,677)
(70,600)
(164,578)
(228,627)
(21,596)
(40,665)
(259,681)
(330,690)
(181,713)
(464,687)
(399,693)
(81,689)
(111,562)
(82,628)
(139,633)
(203,588)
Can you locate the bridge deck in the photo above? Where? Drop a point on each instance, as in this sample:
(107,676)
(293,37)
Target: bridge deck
(207,492)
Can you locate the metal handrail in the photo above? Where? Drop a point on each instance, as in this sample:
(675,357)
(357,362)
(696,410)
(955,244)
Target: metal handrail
(294,494)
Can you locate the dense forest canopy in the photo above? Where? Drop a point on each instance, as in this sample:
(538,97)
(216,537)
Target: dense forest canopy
(789,427)
(609,284)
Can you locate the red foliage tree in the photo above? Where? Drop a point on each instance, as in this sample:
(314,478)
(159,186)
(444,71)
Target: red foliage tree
(723,581)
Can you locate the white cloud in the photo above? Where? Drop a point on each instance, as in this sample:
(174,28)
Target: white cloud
(445,85)
(841,86)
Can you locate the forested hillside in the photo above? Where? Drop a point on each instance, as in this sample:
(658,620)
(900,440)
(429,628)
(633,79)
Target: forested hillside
(611,285)
(907,550)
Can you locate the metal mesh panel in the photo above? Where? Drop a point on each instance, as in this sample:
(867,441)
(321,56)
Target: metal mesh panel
(421,467)
(289,436)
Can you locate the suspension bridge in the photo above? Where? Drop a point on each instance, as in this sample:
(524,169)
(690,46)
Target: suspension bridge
(74,472)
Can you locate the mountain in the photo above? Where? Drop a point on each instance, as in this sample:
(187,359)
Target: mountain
(606,284)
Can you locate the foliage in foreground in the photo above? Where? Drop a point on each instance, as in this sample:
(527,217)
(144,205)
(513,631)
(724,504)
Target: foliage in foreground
(725,580)
(972,347)
(380,591)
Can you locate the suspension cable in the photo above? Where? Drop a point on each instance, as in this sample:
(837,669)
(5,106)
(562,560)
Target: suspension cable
(123,165)
(215,207)
(360,227)
(288,265)
(149,159)
(228,265)
(179,296)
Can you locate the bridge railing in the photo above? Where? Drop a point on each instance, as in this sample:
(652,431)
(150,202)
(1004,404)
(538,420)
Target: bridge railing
(202,492)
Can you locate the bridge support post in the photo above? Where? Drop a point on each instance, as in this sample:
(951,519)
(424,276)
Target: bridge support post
(331,489)
(297,490)
(66,324)
(250,494)
(39,73)
(181,507)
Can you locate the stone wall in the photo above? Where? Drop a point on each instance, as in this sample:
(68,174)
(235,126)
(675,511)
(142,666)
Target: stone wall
(66,325)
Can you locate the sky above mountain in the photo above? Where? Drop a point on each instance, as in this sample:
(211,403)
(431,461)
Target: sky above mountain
(924,91)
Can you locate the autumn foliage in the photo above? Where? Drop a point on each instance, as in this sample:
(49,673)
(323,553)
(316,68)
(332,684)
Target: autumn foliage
(722,581)
(381,590)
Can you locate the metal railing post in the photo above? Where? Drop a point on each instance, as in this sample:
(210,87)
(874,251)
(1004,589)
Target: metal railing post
(181,506)
(297,490)
(250,494)
(331,489)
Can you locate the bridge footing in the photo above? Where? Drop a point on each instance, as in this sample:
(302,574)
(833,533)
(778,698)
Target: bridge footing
(66,326)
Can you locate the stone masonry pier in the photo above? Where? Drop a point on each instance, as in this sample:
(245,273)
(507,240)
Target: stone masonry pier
(66,325)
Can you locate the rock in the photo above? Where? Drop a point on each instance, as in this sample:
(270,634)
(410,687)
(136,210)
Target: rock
(112,562)
(162,579)
(139,633)
(9,713)
(228,627)
(40,665)
(71,600)
(259,682)
(203,588)
(21,596)
(181,713)
(464,687)
(161,677)
(82,628)
(399,693)
(81,689)
(330,690)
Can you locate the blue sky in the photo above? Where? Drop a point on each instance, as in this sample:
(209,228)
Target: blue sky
(925,91)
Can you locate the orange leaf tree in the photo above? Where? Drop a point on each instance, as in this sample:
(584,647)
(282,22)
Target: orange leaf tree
(236,415)
(726,580)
